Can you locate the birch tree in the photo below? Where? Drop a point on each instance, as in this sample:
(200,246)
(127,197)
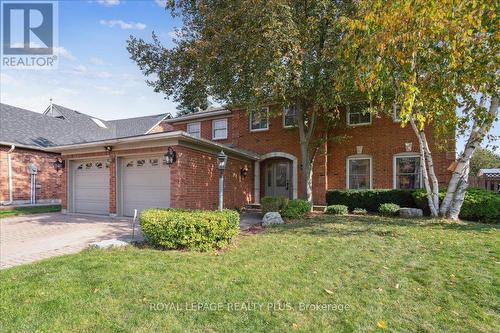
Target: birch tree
(251,53)
(439,62)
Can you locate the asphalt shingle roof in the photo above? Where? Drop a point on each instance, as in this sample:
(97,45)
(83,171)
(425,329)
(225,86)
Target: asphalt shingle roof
(20,126)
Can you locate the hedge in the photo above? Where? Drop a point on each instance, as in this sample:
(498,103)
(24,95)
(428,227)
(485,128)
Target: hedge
(273,204)
(369,199)
(189,229)
(337,210)
(479,205)
(389,209)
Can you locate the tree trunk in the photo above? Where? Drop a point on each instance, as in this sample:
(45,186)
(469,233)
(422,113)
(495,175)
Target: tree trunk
(458,182)
(423,166)
(306,129)
(432,174)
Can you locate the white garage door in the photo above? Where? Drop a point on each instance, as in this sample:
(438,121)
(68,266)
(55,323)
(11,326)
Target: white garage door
(91,187)
(145,184)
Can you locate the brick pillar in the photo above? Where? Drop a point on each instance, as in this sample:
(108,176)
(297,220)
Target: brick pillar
(112,184)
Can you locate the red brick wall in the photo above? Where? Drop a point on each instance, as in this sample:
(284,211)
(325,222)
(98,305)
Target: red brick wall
(195,181)
(48,179)
(162,127)
(382,139)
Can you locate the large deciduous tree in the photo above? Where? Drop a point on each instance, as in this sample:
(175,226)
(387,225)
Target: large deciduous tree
(254,52)
(439,62)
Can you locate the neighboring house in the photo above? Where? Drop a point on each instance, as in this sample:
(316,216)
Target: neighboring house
(118,172)
(28,137)
(488,179)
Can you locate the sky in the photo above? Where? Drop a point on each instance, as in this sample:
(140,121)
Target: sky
(95,74)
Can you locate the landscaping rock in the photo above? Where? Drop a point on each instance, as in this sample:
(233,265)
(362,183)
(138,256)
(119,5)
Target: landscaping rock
(105,244)
(272,218)
(410,212)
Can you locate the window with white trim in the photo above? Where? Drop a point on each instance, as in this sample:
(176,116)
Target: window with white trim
(396,109)
(289,116)
(219,129)
(359,173)
(358,114)
(194,129)
(407,172)
(259,120)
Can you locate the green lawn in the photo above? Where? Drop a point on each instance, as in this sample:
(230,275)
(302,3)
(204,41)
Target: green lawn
(29,210)
(394,276)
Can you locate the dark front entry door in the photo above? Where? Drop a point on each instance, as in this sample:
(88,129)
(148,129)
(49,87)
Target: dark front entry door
(278,179)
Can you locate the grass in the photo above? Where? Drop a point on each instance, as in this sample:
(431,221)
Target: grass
(29,210)
(393,275)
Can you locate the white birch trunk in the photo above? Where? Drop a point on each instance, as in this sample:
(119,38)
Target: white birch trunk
(461,171)
(432,174)
(423,166)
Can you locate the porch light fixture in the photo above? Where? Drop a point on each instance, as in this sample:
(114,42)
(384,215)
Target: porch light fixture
(59,164)
(170,156)
(108,148)
(221,165)
(244,171)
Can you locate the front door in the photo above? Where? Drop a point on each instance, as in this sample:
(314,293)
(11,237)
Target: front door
(278,179)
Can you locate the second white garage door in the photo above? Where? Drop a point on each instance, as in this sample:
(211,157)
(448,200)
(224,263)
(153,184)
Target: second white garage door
(145,183)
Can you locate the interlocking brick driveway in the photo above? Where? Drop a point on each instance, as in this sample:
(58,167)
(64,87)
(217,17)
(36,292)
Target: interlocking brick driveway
(29,238)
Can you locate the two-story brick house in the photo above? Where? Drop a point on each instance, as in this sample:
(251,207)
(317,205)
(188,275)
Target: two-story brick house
(115,167)
(119,173)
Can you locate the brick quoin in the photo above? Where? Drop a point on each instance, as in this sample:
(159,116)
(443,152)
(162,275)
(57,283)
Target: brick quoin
(48,179)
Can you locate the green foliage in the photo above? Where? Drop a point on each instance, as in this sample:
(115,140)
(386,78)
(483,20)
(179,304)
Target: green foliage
(273,204)
(296,208)
(479,205)
(389,209)
(186,229)
(359,211)
(369,199)
(483,159)
(29,210)
(337,210)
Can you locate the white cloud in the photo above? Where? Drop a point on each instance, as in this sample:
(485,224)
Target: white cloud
(102,75)
(108,2)
(109,90)
(64,53)
(96,61)
(123,25)
(80,69)
(161,3)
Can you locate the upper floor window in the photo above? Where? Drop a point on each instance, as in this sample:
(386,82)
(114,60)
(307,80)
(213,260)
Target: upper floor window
(289,116)
(407,172)
(359,172)
(219,129)
(194,129)
(259,120)
(358,114)
(396,109)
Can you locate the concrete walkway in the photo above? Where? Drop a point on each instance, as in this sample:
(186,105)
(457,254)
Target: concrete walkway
(25,239)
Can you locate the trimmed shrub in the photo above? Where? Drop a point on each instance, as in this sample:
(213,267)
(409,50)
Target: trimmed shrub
(369,199)
(189,229)
(359,211)
(389,209)
(296,209)
(479,205)
(273,204)
(337,210)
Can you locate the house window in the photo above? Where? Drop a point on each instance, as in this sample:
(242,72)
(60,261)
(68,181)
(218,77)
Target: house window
(396,109)
(359,173)
(194,129)
(289,116)
(407,173)
(358,114)
(219,129)
(259,120)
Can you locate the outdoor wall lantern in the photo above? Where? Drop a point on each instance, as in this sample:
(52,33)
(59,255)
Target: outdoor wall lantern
(221,165)
(244,171)
(59,164)
(170,156)
(108,148)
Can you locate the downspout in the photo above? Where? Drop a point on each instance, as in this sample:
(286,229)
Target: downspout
(9,167)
